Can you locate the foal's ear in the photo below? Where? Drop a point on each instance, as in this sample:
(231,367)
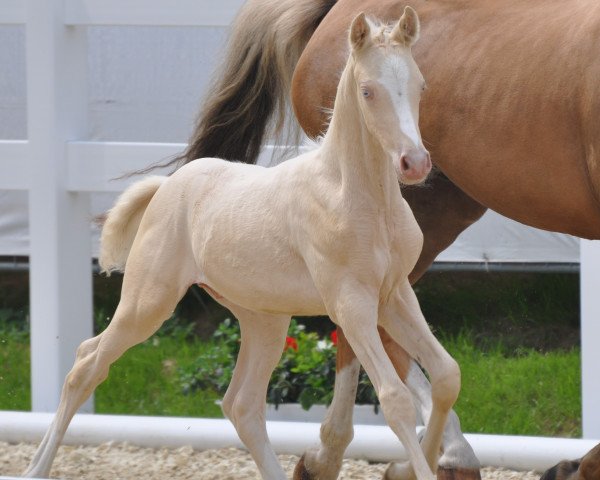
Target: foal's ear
(360,32)
(407,29)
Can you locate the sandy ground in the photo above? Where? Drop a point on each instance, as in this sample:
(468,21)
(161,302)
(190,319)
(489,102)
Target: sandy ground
(122,461)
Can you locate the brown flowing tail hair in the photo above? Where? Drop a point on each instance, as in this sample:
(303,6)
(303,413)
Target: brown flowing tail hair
(250,92)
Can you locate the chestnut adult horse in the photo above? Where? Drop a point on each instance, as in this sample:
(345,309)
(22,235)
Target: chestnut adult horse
(510,117)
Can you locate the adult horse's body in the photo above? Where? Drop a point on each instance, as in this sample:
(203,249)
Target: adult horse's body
(510,115)
(206,224)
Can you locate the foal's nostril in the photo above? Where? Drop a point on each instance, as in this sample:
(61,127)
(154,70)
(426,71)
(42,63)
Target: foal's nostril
(413,165)
(404,164)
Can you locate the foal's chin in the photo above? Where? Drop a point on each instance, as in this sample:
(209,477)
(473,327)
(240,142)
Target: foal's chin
(412,181)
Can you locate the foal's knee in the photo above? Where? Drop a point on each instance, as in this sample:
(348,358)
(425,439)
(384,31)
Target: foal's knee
(445,386)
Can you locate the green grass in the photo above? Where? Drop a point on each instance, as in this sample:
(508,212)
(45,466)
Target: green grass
(15,391)
(532,393)
(145,381)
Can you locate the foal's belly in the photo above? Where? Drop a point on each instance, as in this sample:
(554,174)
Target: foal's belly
(266,290)
(257,272)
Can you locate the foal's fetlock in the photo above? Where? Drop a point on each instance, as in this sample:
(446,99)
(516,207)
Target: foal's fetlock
(456,473)
(399,471)
(301,472)
(311,467)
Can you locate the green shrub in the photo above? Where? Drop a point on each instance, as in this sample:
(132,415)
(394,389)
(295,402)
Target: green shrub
(305,374)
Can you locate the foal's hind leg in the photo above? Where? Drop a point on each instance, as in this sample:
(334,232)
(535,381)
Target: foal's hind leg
(151,290)
(263,340)
(325,461)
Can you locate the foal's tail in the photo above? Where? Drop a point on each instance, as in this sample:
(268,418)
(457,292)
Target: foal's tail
(122,223)
(253,84)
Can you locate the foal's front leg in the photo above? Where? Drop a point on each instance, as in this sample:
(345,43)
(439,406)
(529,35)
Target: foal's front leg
(355,308)
(324,462)
(403,320)
(458,460)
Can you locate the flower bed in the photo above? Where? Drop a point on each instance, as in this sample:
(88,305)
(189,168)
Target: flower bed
(305,374)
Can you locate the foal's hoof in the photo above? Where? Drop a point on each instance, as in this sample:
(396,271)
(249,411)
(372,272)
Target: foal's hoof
(300,472)
(457,473)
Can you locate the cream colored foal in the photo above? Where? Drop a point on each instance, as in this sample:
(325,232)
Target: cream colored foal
(326,232)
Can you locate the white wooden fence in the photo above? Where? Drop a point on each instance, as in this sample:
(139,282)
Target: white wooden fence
(60,169)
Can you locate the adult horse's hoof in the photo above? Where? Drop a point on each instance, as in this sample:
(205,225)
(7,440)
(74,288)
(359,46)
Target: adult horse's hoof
(586,468)
(300,472)
(456,473)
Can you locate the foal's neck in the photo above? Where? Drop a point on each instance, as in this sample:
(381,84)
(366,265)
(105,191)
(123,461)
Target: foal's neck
(352,151)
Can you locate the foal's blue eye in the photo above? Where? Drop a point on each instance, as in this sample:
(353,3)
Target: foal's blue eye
(366,93)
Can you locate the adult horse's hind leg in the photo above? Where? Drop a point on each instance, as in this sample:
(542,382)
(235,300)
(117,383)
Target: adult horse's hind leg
(151,290)
(263,340)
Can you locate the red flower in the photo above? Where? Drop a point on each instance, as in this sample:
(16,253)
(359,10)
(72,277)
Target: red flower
(333,337)
(290,343)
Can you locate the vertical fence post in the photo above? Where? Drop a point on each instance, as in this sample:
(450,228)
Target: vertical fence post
(590,335)
(60,251)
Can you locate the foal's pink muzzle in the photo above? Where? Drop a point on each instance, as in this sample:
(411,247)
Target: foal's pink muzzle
(413,166)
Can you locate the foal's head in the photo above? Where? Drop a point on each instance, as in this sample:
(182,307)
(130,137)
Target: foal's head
(389,85)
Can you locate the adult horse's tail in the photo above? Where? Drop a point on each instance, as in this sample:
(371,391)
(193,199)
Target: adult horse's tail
(250,92)
(122,223)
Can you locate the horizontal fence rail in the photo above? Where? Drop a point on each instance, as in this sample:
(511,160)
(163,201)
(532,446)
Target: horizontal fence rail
(97,166)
